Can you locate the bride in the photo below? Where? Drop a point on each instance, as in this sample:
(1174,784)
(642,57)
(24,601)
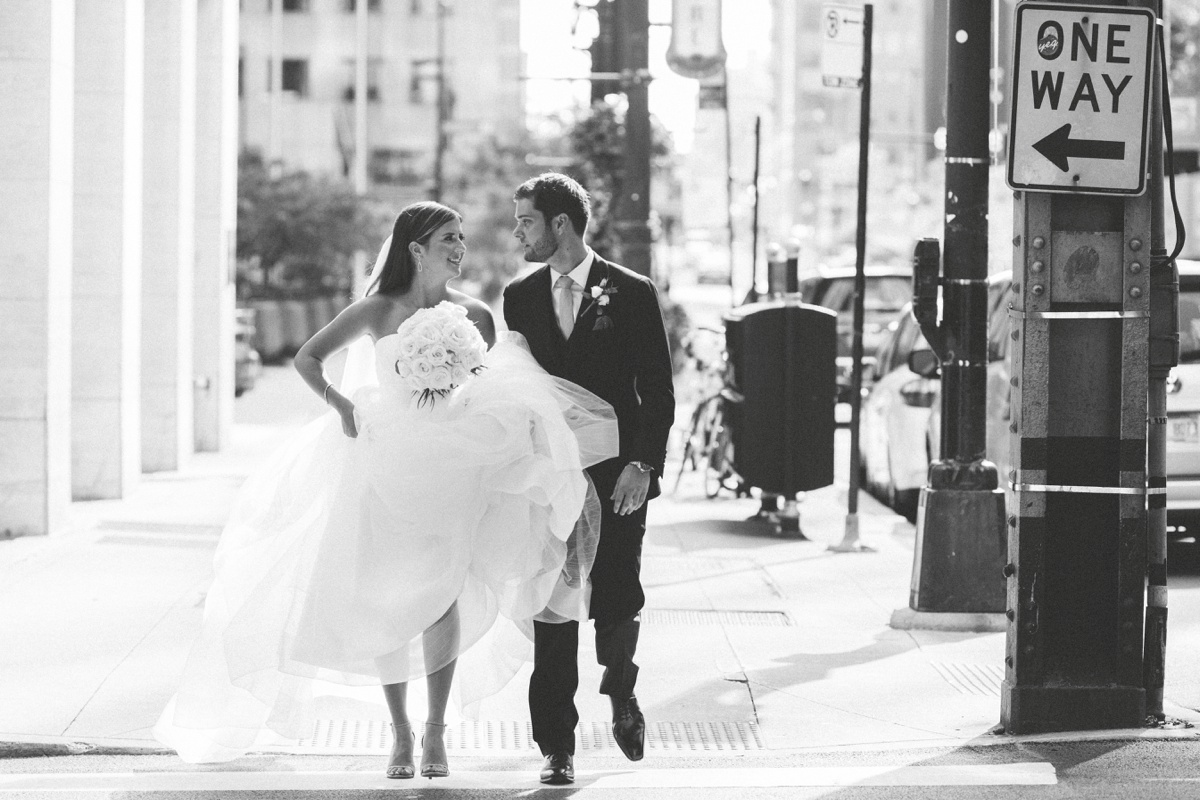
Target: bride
(416,532)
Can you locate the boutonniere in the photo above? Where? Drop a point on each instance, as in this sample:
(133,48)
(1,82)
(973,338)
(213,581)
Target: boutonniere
(602,293)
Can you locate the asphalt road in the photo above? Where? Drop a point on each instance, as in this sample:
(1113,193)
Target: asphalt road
(1094,769)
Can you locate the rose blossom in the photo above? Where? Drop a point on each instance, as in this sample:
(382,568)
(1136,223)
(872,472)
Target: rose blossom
(440,378)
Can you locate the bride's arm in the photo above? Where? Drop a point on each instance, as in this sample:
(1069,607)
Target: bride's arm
(479,313)
(349,325)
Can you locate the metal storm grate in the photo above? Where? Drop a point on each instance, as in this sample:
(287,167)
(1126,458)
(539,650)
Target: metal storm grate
(668,616)
(371,736)
(979,679)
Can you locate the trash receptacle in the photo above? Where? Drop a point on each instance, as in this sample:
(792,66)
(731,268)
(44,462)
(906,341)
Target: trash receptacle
(783,357)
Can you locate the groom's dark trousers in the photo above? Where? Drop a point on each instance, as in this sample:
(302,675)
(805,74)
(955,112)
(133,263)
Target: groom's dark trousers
(628,364)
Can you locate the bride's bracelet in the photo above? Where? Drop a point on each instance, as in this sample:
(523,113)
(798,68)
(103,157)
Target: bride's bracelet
(325,394)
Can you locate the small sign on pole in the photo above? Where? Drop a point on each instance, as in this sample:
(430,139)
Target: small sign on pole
(696,49)
(1080,98)
(841,46)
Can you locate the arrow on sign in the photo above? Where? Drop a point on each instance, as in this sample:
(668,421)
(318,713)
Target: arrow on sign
(1058,146)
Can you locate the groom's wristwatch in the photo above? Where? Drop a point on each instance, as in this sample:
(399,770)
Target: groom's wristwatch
(642,467)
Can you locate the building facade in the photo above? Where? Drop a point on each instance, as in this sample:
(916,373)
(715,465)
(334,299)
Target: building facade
(297,78)
(118,146)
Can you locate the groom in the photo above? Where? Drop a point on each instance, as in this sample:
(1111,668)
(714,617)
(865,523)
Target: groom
(596,324)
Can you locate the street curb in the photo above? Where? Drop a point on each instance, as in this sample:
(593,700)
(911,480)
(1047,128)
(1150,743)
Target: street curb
(45,748)
(905,619)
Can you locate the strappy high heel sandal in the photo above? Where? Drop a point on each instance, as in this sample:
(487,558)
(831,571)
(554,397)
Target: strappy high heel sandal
(432,769)
(403,767)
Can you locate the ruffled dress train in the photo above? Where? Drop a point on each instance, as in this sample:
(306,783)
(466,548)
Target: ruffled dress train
(439,533)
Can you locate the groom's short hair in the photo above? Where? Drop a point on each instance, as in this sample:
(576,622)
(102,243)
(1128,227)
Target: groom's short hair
(553,193)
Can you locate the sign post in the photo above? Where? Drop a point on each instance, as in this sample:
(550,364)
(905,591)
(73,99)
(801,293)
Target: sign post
(847,37)
(1080,98)
(1082,118)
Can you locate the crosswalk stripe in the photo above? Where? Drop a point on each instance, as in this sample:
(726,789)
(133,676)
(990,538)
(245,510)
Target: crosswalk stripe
(1019,774)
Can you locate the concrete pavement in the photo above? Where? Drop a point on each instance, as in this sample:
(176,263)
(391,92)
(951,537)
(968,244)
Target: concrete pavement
(751,644)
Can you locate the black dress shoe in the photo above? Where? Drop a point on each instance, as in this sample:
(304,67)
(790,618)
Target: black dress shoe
(558,769)
(629,727)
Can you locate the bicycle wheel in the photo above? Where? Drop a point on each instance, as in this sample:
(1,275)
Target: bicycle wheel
(694,443)
(689,449)
(716,451)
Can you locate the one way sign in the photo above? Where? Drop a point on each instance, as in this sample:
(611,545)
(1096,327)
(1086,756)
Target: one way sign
(1080,98)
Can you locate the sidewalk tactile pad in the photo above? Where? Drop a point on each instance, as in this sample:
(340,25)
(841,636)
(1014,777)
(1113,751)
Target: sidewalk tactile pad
(363,735)
(667,616)
(980,679)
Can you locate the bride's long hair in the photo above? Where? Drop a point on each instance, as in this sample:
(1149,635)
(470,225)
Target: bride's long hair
(414,223)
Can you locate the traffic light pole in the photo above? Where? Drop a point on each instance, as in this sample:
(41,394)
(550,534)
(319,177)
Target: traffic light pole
(632,211)
(959,551)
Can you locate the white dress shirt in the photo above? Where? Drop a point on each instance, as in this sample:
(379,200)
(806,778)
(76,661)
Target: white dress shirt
(579,276)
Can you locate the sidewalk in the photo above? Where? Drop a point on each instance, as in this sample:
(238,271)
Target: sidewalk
(750,641)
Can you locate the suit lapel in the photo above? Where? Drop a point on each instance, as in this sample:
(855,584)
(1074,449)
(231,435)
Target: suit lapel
(587,308)
(545,321)
(586,319)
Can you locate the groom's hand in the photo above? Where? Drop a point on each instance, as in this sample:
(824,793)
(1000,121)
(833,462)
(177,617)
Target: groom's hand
(630,491)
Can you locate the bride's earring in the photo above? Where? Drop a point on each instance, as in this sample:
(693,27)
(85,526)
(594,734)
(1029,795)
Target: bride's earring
(420,266)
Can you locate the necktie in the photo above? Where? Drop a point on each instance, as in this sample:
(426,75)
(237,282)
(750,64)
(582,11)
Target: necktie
(566,304)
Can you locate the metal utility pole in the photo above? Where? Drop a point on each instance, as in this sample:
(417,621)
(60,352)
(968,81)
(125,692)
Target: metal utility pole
(960,524)
(850,541)
(275,86)
(1164,354)
(359,167)
(754,222)
(605,51)
(442,105)
(632,214)
(752,295)
(1082,311)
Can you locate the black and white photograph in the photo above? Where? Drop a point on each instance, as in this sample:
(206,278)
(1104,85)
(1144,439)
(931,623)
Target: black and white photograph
(655,399)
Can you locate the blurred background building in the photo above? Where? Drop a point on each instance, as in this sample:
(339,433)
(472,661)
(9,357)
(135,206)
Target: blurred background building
(296,83)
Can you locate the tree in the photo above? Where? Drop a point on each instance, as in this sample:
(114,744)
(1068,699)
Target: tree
(597,142)
(1185,47)
(481,176)
(297,233)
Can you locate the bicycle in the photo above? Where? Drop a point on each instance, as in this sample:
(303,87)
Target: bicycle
(709,440)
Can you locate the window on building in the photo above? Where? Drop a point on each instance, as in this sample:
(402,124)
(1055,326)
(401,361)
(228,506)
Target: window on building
(294,78)
(415,7)
(241,77)
(295,5)
(423,82)
(398,167)
(352,5)
(372,79)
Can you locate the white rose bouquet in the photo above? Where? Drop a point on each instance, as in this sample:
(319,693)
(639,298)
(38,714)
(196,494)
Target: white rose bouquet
(439,349)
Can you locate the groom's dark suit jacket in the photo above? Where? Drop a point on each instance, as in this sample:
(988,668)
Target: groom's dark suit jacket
(628,364)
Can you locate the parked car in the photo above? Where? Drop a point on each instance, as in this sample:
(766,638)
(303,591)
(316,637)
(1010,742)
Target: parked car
(895,417)
(247,363)
(888,289)
(892,458)
(900,426)
(1183,411)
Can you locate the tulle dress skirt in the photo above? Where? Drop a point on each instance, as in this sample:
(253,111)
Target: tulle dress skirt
(439,533)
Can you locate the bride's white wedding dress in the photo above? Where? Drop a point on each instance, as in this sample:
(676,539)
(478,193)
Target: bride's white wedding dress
(341,553)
